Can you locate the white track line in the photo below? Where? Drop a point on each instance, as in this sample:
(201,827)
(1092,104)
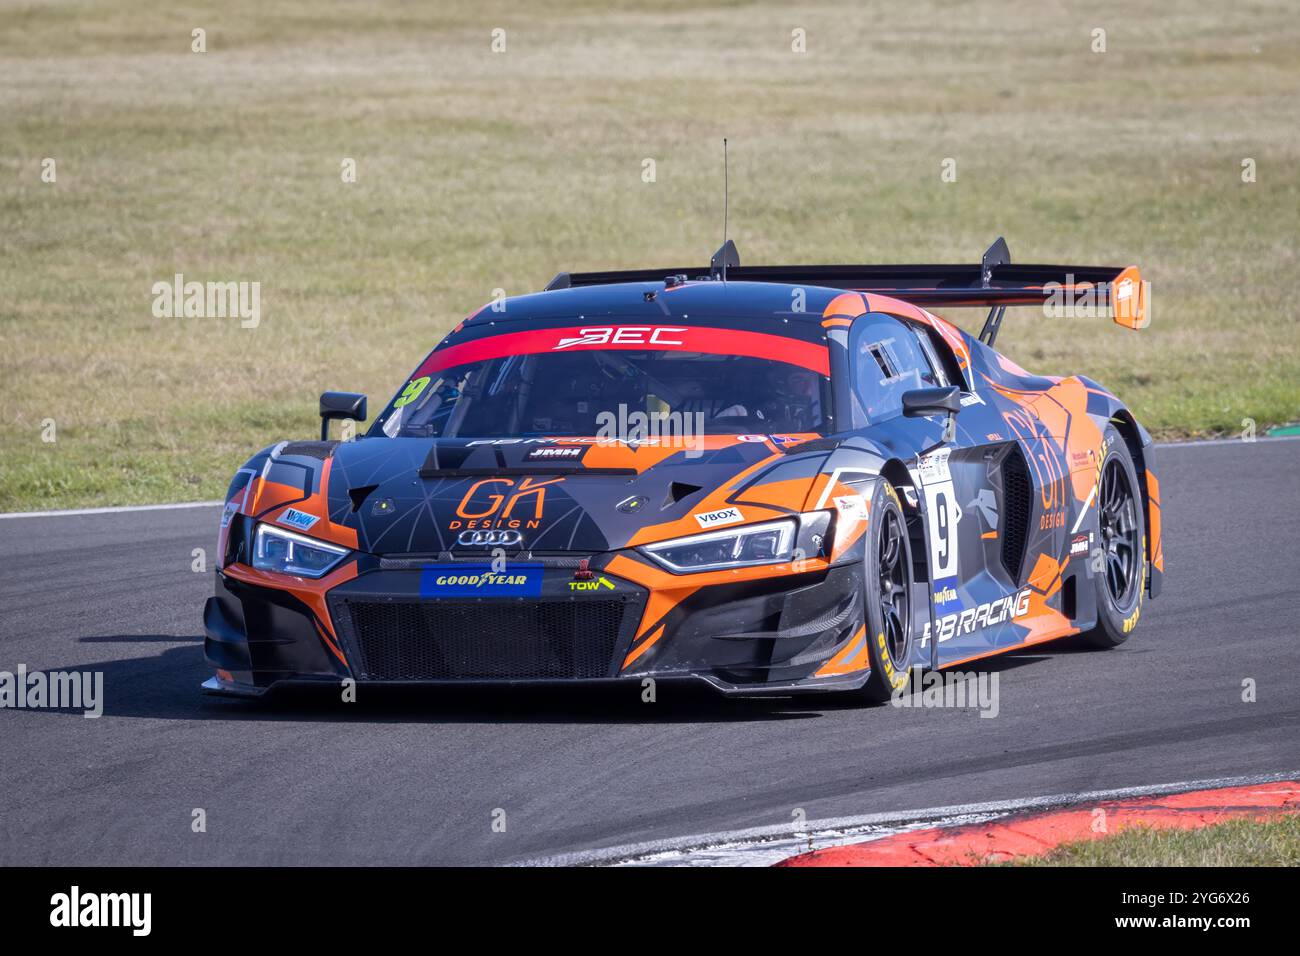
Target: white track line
(1227,441)
(111,511)
(765,845)
(212,504)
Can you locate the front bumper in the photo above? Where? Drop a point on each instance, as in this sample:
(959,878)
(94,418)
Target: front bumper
(752,635)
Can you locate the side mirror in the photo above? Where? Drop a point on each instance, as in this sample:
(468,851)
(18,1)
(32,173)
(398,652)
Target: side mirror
(924,402)
(340,405)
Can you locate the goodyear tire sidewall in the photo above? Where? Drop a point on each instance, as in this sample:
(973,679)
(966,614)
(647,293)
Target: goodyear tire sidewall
(1121,620)
(887,676)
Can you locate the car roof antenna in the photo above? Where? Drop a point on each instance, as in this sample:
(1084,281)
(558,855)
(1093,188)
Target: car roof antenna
(726,191)
(727,254)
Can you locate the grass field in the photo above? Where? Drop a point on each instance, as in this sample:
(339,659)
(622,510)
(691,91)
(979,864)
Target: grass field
(479,170)
(1235,843)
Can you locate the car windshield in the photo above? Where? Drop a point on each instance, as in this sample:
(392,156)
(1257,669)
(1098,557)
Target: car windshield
(597,392)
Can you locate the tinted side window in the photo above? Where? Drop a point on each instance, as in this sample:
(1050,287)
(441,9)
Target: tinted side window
(888,361)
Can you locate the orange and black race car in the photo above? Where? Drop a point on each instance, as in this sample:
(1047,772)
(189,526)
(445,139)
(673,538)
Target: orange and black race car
(771,479)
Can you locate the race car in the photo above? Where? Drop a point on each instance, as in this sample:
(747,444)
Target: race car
(769,479)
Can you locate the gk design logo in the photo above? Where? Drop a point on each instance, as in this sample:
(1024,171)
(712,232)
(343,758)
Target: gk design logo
(496,508)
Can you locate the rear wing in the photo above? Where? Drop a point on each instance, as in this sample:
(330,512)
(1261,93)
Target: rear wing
(994,283)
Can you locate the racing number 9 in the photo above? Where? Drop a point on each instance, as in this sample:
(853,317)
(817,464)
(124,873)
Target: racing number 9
(413,390)
(941,505)
(941,526)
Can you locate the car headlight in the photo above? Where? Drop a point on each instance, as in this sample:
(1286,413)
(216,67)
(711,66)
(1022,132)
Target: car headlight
(768,543)
(275,549)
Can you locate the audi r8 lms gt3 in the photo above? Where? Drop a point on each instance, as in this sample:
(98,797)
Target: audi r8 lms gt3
(770,479)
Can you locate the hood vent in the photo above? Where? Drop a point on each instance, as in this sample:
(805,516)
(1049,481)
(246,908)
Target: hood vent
(359,496)
(679,491)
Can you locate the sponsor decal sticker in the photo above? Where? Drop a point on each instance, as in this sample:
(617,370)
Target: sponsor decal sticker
(1079,545)
(714,341)
(934,466)
(1053,519)
(944,593)
(297,519)
(596,585)
(479,580)
(977,618)
(492,503)
(567,440)
(851,506)
(623,335)
(556,453)
(714,519)
(777,440)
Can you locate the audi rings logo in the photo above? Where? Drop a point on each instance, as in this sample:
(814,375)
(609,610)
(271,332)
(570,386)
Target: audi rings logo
(490,539)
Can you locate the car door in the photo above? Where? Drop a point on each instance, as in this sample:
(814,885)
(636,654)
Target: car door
(961,485)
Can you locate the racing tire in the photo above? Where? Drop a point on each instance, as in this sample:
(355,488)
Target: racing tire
(887,596)
(1118,566)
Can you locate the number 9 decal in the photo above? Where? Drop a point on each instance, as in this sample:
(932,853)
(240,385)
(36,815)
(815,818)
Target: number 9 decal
(944,514)
(414,388)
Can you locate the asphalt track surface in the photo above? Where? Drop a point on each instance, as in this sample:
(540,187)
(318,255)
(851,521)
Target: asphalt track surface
(415,779)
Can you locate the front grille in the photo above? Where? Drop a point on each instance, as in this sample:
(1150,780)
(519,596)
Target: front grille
(473,640)
(1017,507)
(407,562)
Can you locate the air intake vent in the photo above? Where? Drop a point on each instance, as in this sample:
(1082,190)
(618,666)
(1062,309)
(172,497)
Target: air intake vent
(679,491)
(1017,507)
(485,640)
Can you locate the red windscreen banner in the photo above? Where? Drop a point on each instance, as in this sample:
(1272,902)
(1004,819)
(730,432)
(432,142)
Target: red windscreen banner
(637,338)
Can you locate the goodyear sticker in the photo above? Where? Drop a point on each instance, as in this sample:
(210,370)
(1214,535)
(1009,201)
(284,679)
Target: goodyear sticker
(480,580)
(945,593)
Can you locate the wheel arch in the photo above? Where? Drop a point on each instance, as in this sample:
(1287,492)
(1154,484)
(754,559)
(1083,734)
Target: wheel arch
(896,473)
(1138,441)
